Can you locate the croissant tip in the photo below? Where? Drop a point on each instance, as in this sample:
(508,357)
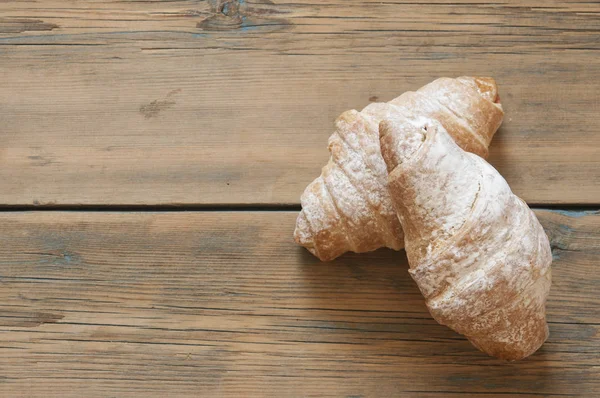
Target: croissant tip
(512,352)
(401,138)
(487,87)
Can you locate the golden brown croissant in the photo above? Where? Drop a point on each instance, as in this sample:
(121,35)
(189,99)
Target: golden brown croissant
(348,207)
(477,252)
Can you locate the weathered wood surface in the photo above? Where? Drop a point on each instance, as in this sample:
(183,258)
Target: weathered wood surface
(224,303)
(205,102)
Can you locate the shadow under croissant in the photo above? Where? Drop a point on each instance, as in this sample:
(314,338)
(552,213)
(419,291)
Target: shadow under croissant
(370,300)
(499,154)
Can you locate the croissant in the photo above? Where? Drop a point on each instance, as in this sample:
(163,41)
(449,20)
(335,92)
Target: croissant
(348,207)
(477,252)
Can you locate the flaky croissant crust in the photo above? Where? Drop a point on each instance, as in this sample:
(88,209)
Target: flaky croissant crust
(477,252)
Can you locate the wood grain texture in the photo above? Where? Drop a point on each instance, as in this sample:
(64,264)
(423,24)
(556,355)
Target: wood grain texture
(212,102)
(225,304)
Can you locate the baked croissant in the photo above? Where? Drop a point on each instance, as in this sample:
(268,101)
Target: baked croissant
(477,252)
(348,208)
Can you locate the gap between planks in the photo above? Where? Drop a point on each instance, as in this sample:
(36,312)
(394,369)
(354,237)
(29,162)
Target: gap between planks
(282,207)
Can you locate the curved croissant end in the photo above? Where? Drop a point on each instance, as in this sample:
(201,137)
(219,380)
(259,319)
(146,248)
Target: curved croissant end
(348,208)
(477,252)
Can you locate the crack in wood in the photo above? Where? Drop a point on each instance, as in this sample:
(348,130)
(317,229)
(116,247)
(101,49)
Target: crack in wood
(20,25)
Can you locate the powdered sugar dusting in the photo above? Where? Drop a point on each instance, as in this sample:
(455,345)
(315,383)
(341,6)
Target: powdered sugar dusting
(477,252)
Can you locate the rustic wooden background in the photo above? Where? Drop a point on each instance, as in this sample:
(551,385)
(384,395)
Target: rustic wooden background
(152,156)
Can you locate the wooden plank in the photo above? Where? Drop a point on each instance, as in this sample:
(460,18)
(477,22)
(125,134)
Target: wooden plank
(206,102)
(225,304)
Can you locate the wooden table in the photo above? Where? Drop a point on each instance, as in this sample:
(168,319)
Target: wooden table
(151,161)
